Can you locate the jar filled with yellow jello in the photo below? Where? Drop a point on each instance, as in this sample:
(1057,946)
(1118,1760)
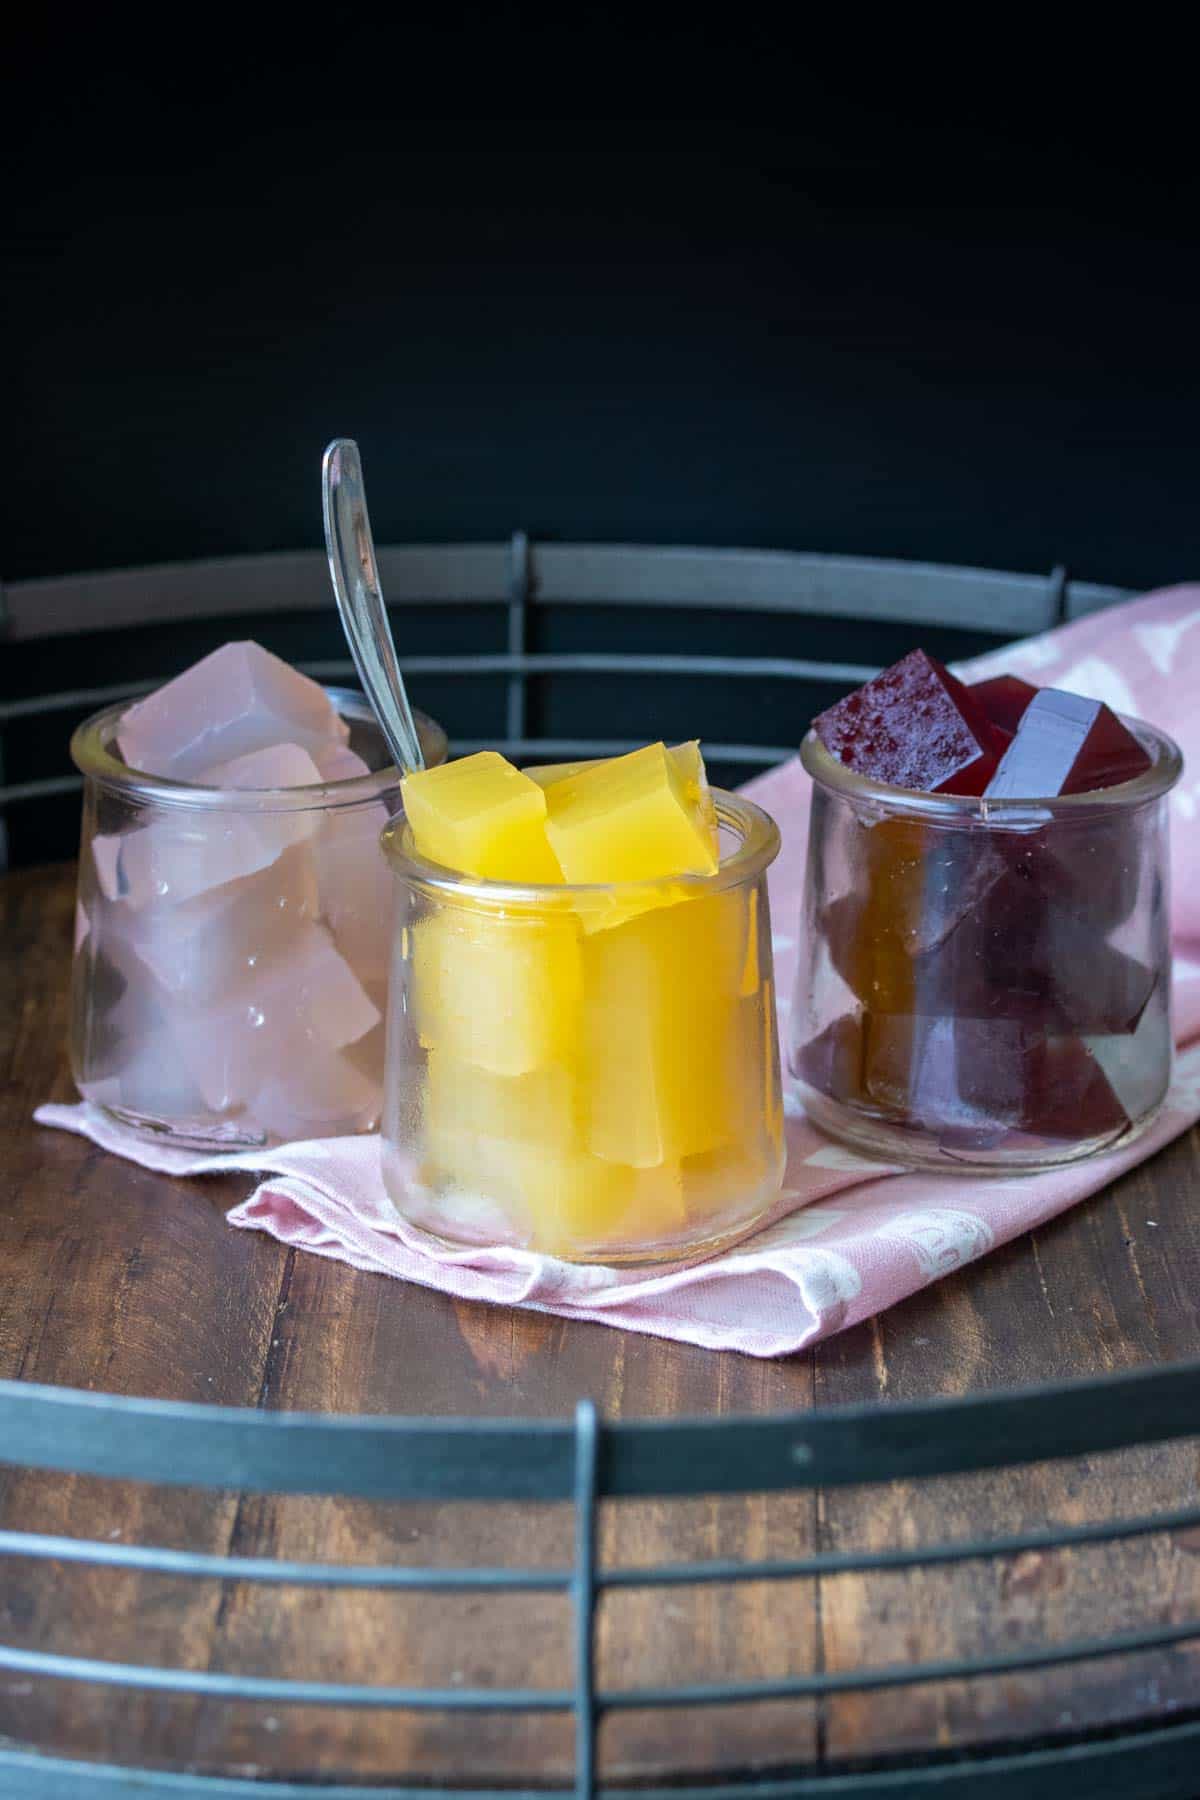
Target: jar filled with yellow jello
(582,1056)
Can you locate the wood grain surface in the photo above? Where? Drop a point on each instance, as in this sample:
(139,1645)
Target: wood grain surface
(112,1278)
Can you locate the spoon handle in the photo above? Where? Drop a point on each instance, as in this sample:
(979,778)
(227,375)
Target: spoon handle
(355,575)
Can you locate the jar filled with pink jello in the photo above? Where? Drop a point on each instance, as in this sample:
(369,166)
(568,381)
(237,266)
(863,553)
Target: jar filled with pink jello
(984,975)
(233,924)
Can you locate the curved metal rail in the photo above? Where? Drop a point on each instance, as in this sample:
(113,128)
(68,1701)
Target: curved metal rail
(523,578)
(584,1462)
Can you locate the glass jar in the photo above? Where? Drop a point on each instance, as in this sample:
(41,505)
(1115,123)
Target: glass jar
(592,1072)
(232,945)
(984,984)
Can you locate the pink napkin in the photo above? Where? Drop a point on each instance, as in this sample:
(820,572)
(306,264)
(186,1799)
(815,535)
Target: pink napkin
(849,1237)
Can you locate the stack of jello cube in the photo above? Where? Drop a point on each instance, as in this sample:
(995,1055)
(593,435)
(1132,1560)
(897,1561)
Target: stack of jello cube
(987,995)
(593,1066)
(232,952)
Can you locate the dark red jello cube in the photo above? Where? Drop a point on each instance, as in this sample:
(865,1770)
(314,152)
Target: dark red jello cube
(975,1081)
(831,1062)
(1069,1095)
(1020,955)
(1090,866)
(1004,699)
(1066,745)
(914,726)
(964,1079)
(995,947)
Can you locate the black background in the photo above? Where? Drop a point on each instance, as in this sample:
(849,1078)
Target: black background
(601,281)
(598,279)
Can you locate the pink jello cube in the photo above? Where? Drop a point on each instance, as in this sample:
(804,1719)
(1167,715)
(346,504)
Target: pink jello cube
(275,766)
(152,1081)
(1004,699)
(357,887)
(291,1013)
(188,852)
(182,855)
(338,762)
(120,1009)
(239,699)
(1066,745)
(214,943)
(323,1096)
(915,726)
(355,881)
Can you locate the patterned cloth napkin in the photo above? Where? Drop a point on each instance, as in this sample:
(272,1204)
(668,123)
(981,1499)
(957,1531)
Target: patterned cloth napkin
(848,1237)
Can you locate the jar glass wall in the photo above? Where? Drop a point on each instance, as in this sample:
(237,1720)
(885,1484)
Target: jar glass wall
(592,1072)
(232,946)
(984,984)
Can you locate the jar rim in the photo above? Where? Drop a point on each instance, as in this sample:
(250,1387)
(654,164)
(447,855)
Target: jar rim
(964,809)
(757,848)
(95,761)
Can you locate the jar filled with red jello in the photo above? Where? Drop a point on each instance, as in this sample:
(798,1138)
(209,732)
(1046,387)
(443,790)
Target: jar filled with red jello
(984,977)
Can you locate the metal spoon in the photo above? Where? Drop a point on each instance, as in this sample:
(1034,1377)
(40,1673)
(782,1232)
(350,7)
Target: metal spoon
(355,576)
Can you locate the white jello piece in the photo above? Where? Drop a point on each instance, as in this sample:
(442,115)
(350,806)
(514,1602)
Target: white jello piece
(216,943)
(356,886)
(239,699)
(325,1096)
(338,762)
(286,1015)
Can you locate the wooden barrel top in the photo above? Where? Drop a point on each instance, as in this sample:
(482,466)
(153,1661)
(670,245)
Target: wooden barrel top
(113,1278)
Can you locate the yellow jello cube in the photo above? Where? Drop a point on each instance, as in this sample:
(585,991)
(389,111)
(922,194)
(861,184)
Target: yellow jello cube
(627,819)
(499,991)
(480,1131)
(751,1161)
(688,764)
(483,817)
(660,1038)
(731,1178)
(546,774)
(513,1140)
(772,1096)
(537,1108)
(751,972)
(571,1200)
